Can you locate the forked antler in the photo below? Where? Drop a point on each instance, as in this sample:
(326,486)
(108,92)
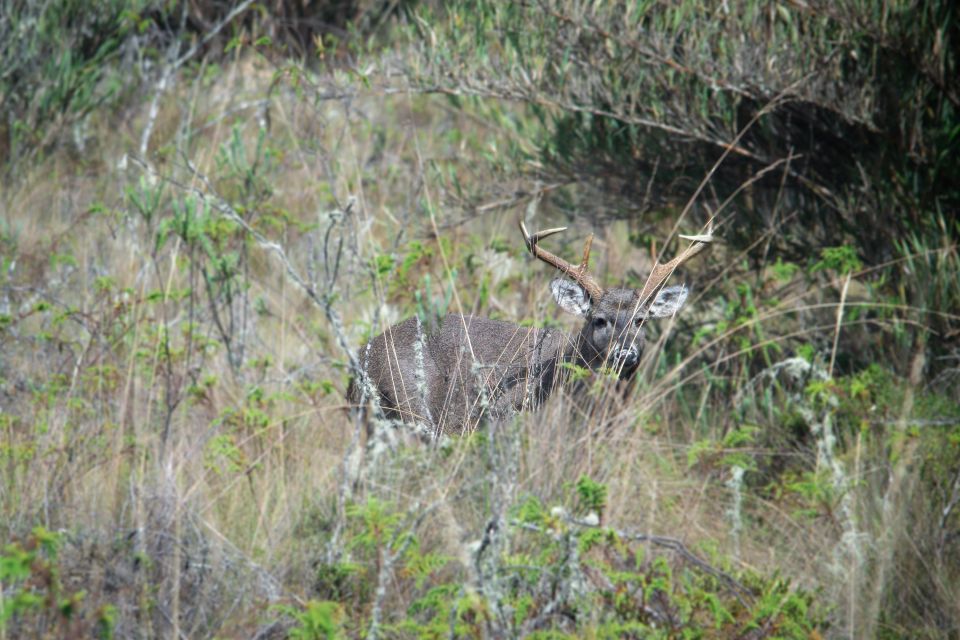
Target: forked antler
(579,274)
(661,272)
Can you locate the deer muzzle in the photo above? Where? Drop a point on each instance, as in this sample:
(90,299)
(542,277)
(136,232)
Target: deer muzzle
(624,358)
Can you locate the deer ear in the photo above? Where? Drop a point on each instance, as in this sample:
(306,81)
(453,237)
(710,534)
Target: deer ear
(571,297)
(668,301)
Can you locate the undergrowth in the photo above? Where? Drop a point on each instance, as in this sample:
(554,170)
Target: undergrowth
(186,277)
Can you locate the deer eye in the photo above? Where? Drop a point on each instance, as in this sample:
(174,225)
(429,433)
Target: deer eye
(638,321)
(599,323)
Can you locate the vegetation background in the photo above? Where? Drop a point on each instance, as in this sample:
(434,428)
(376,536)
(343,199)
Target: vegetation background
(207,207)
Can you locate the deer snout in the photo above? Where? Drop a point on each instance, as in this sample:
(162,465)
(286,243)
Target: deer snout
(624,356)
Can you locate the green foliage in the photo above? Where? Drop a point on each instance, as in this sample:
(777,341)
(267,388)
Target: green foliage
(733,450)
(599,582)
(656,598)
(784,271)
(377,523)
(816,491)
(529,510)
(223,456)
(575,371)
(58,60)
(382,265)
(316,620)
(429,308)
(843,260)
(782,607)
(422,566)
(146,199)
(592,495)
(30,572)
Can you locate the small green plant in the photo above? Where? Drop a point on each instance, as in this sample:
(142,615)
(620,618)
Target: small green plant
(30,572)
(841,259)
(784,271)
(592,496)
(430,310)
(315,620)
(730,451)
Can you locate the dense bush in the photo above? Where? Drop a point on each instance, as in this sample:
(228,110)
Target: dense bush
(847,110)
(65,59)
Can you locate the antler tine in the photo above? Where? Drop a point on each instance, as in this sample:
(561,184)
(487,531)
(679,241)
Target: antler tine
(579,274)
(661,272)
(539,235)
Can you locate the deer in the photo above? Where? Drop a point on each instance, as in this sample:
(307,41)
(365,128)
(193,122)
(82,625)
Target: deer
(470,368)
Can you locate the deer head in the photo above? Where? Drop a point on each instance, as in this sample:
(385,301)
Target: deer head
(612,334)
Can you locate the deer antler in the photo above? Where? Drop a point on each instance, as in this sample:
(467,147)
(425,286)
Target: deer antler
(661,272)
(579,274)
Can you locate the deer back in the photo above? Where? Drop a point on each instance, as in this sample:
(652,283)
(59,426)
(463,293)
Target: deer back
(468,368)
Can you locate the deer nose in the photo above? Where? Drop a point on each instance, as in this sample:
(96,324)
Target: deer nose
(625,357)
